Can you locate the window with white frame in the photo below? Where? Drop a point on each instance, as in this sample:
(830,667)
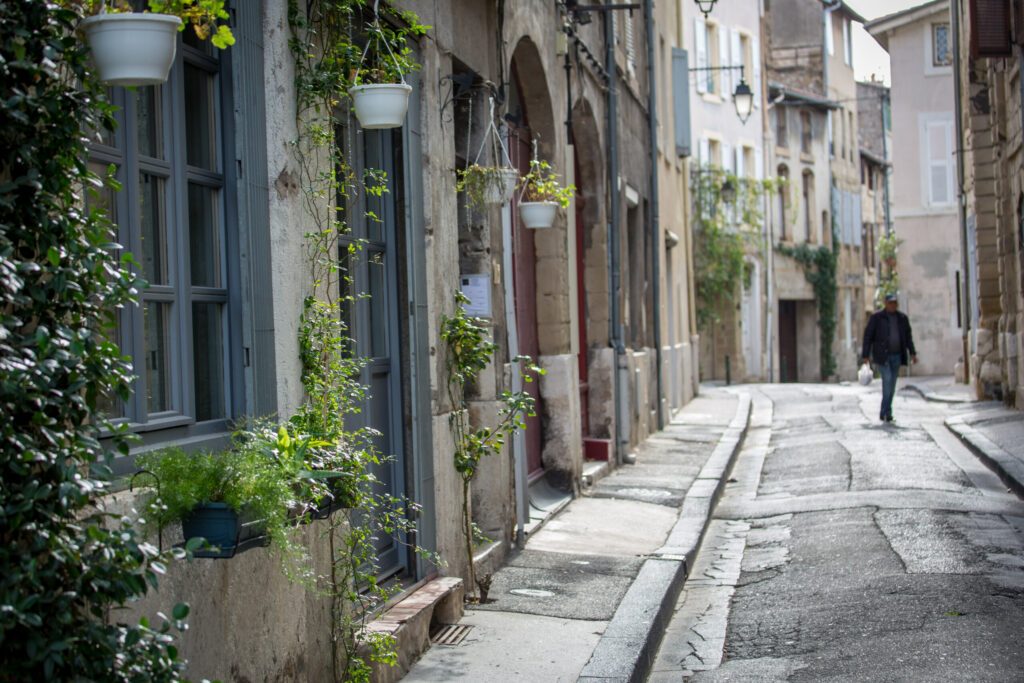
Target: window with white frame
(937,149)
(942,54)
(709,51)
(172,214)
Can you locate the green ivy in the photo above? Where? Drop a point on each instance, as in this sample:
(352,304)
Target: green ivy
(819,265)
(66,567)
(723,231)
(888,275)
(325,44)
(469,353)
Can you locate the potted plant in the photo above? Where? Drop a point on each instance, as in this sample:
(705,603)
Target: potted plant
(487,185)
(137,48)
(541,196)
(380,95)
(204,491)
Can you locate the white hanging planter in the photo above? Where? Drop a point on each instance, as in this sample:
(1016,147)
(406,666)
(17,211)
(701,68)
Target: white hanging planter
(381,105)
(133,48)
(502,186)
(538,215)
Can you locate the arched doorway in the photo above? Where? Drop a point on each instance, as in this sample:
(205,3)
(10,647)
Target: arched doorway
(526,108)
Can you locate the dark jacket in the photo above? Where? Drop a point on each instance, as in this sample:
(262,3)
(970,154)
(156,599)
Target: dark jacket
(876,338)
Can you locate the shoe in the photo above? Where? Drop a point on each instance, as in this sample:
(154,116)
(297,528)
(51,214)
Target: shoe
(889,418)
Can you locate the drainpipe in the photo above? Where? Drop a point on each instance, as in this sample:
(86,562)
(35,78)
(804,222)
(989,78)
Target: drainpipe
(965,279)
(886,102)
(615,336)
(654,219)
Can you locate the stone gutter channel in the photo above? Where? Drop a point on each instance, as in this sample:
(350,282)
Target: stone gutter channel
(629,645)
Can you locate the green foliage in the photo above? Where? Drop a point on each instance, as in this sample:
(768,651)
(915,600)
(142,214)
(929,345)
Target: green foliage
(819,264)
(541,185)
(66,565)
(204,16)
(328,58)
(723,231)
(888,277)
(478,182)
(469,353)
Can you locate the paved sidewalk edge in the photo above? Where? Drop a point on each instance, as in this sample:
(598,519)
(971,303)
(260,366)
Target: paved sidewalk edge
(1009,469)
(626,650)
(933,396)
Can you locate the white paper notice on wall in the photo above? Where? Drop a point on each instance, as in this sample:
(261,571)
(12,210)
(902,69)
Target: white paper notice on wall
(477,288)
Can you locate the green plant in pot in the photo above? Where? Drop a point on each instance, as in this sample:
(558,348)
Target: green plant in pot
(541,195)
(380,95)
(133,48)
(205,491)
(486,185)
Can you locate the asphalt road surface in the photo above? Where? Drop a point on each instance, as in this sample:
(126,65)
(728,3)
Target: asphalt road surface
(848,550)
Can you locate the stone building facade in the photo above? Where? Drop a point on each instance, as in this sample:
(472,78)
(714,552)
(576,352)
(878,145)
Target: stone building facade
(602,300)
(924,208)
(987,81)
(813,126)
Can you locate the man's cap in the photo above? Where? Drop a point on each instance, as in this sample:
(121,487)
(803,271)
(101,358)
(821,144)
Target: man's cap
(892,297)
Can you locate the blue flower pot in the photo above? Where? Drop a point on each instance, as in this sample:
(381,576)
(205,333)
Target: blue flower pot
(218,524)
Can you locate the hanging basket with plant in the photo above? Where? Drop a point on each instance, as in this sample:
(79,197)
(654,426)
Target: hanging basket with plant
(138,48)
(541,195)
(380,96)
(482,185)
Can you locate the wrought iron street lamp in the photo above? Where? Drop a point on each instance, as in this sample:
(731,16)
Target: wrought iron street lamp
(742,97)
(705,6)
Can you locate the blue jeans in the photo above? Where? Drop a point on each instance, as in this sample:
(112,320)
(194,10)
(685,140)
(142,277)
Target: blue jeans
(890,370)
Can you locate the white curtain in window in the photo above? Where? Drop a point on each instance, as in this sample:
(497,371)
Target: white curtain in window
(700,39)
(755,59)
(725,77)
(939,143)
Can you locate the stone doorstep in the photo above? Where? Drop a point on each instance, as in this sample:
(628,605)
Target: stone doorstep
(437,602)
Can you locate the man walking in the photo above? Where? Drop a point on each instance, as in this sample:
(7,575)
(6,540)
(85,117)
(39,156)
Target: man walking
(888,342)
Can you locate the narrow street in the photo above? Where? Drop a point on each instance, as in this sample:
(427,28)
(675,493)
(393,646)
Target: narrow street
(844,549)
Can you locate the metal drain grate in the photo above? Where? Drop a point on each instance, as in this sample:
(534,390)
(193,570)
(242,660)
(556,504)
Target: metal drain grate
(450,634)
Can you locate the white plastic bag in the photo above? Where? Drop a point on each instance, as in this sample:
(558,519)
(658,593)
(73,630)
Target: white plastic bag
(865,375)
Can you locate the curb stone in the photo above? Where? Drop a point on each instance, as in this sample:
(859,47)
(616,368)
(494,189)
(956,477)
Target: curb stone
(629,645)
(1009,468)
(933,396)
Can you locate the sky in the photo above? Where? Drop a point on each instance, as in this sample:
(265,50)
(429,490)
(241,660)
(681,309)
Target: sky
(868,56)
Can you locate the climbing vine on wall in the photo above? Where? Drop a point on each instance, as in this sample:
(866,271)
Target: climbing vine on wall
(327,43)
(819,265)
(728,217)
(888,276)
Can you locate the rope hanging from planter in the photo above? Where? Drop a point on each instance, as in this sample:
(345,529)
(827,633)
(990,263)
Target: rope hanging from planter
(491,130)
(375,28)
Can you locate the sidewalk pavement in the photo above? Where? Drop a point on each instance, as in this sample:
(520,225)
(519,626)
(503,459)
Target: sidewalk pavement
(588,596)
(938,388)
(996,435)
(994,432)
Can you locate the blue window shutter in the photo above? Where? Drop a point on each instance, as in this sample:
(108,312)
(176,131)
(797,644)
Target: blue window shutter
(681,101)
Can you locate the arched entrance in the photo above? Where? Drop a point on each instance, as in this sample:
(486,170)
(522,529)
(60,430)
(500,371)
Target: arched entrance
(591,275)
(529,120)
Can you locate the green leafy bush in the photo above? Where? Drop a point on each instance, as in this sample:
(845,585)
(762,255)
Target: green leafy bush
(541,185)
(65,566)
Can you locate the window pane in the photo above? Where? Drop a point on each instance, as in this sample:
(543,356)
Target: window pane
(940,194)
(154,233)
(204,236)
(156,351)
(200,132)
(102,198)
(148,119)
(109,404)
(208,355)
(378,310)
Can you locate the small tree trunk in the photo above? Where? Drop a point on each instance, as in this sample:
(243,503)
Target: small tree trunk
(468,529)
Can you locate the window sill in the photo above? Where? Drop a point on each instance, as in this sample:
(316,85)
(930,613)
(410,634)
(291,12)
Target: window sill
(806,158)
(711,98)
(782,151)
